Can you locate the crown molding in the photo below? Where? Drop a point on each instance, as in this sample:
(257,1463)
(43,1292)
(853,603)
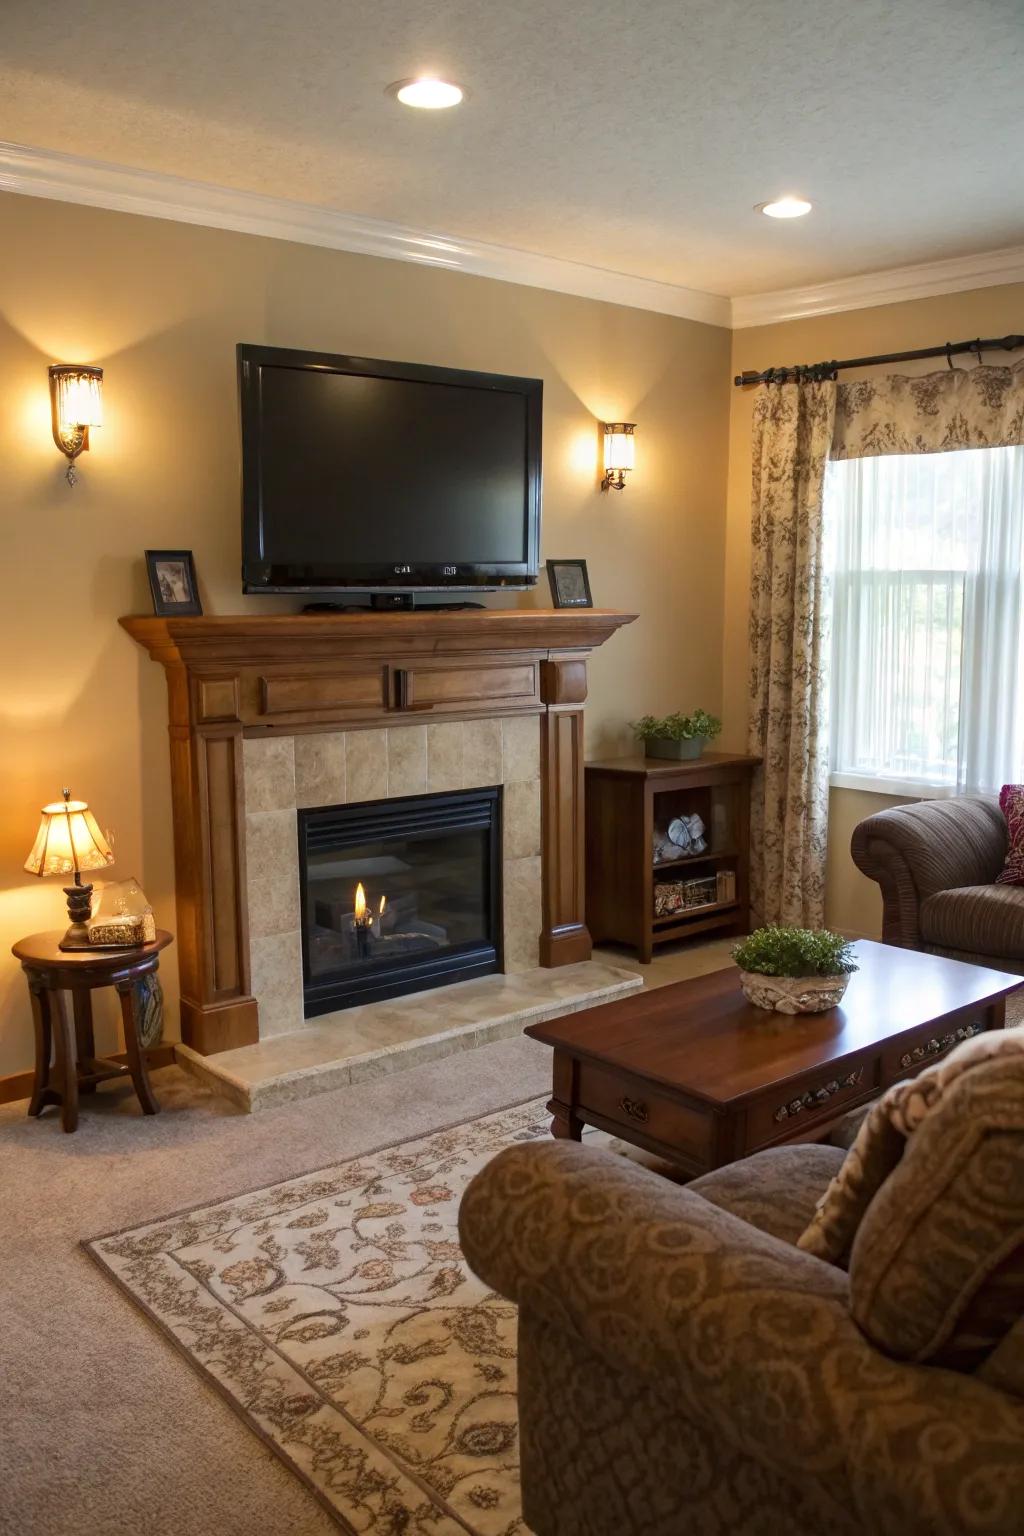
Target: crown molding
(896,286)
(73,179)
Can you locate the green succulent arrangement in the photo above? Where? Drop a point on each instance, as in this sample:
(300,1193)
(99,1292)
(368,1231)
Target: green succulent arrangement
(677,727)
(795,952)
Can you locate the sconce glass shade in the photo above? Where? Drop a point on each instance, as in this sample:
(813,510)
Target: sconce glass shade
(68,840)
(619,453)
(79,396)
(76,405)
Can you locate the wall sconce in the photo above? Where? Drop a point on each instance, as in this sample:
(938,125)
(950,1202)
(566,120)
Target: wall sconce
(76,404)
(618,454)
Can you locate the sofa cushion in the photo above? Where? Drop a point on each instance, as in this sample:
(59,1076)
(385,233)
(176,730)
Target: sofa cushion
(937,1265)
(775,1191)
(1011,803)
(985,919)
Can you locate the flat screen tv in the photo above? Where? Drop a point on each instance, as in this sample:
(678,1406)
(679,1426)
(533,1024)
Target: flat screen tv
(368,476)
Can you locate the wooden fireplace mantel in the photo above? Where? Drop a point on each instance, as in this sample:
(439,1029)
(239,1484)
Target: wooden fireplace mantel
(285,674)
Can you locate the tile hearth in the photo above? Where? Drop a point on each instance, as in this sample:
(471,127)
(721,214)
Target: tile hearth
(363,1043)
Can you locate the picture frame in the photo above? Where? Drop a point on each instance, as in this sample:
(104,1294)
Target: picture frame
(172,582)
(570,584)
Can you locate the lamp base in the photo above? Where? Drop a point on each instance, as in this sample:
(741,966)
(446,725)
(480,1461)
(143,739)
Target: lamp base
(79,908)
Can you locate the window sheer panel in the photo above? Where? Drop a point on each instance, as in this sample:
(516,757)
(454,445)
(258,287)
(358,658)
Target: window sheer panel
(926,557)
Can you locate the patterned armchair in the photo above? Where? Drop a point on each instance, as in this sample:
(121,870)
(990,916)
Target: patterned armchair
(936,863)
(686,1371)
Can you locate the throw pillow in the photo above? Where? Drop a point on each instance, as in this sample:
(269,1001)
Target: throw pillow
(1011,803)
(881,1140)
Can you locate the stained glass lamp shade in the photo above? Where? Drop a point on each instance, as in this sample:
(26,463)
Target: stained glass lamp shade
(68,842)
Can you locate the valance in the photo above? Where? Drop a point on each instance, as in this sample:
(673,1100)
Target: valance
(980,407)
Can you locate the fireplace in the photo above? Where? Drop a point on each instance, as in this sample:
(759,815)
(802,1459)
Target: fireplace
(398,896)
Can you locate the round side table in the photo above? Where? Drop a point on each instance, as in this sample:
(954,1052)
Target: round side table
(51,971)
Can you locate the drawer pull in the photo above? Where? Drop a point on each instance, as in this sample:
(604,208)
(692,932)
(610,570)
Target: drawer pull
(636,1109)
(937,1046)
(819,1096)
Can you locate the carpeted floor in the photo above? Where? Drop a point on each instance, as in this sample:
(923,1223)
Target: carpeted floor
(104,1427)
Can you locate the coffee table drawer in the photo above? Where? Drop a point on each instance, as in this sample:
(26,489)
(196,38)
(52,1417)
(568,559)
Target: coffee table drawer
(785,1115)
(643,1112)
(910,1056)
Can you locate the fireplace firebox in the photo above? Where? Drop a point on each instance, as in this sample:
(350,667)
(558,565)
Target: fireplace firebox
(398,896)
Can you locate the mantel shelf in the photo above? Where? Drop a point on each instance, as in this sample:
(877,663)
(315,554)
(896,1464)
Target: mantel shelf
(252,637)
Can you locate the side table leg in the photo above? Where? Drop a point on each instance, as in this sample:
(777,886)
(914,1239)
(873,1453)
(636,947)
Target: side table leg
(42,1092)
(64,1062)
(84,1037)
(133,1050)
(565,1125)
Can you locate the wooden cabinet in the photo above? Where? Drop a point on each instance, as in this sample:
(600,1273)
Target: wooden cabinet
(630,800)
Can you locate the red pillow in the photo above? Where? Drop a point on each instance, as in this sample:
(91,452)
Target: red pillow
(1011,803)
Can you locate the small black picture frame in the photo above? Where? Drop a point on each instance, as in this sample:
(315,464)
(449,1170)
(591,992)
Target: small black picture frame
(172,581)
(570,584)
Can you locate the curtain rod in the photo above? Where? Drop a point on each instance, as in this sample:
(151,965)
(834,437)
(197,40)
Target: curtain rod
(801,372)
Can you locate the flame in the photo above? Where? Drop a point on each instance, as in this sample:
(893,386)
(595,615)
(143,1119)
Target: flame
(383,904)
(360,902)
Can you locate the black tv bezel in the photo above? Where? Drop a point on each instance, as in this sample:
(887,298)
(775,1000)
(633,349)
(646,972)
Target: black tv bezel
(260,575)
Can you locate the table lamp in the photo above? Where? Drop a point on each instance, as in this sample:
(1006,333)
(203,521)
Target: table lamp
(67,842)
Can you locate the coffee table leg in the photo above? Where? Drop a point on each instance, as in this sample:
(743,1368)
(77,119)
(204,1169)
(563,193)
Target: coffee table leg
(133,1049)
(565,1125)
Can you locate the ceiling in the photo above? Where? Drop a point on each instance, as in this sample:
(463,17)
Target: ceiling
(635,139)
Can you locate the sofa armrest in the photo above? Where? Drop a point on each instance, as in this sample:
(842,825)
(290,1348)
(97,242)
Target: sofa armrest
(739,1332)
(915,851)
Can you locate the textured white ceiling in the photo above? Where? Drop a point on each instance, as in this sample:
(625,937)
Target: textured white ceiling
(636,138)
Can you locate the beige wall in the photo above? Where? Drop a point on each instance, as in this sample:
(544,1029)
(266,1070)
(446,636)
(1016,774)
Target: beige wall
(161,306)
(852,901)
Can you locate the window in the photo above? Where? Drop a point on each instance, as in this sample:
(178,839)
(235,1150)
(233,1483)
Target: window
(926,553)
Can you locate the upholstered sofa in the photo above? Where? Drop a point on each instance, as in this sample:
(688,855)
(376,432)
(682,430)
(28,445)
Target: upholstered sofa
(936,863)
(686,1370)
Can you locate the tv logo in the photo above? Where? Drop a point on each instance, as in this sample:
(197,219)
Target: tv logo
(403,570)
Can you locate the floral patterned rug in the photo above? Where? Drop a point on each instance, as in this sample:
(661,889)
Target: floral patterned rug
(337,1315)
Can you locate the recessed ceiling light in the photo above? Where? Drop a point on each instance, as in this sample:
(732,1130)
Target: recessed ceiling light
(785,208)
(431,94)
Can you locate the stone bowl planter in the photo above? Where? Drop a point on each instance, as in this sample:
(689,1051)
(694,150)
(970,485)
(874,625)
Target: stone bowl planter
(680,751)
(793,994)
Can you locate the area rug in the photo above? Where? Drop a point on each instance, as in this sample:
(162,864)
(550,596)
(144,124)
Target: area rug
(337,1315)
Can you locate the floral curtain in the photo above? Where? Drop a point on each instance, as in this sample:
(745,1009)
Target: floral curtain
(797,428)
(789,641)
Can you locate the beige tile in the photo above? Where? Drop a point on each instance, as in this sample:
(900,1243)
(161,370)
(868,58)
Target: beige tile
(520,815)
(272,868)
(407,760)
(277,982)
(445,756)
(481,746)
(320,769)
(520,748)
(521,894)
(269,764)
(366,766)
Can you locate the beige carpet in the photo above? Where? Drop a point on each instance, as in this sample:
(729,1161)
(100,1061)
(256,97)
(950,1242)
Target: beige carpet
(104,1428)
(337,1315)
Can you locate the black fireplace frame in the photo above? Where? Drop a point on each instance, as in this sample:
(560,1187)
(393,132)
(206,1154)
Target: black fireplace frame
(457,810)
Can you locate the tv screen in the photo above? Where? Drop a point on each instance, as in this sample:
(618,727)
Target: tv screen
(369,475)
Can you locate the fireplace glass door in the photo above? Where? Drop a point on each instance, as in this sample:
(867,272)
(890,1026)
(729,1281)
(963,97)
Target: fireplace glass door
(399,895)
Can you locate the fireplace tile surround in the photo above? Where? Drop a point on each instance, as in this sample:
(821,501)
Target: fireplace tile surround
(284,774)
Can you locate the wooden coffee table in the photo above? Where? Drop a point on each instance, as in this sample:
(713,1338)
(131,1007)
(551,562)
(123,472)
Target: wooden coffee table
(696,1074)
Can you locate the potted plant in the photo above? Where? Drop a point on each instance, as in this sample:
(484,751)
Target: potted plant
(678,735)
(795,970)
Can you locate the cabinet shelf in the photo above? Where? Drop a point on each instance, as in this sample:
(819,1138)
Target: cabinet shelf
(626,799)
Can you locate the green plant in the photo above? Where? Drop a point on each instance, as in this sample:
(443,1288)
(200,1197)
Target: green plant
(677,727)
(795,952)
